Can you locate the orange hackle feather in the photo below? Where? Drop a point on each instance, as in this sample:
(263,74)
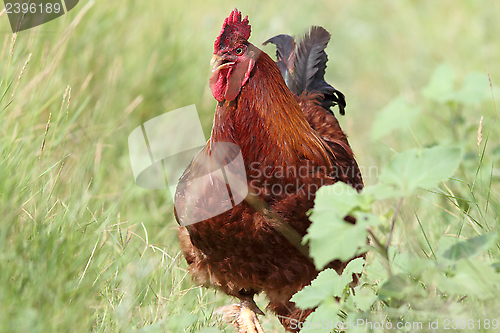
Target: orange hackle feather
(267,122)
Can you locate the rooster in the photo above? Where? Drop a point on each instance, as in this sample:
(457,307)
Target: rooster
(279,116)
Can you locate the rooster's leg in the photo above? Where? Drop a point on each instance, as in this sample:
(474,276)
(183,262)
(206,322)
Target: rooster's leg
(243,316)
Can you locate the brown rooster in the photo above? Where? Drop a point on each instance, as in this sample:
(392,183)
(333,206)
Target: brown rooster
(291,144)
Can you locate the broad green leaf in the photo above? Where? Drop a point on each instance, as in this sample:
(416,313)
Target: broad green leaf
(340,284)
(359,322)
(398,114)
(320,289)
(381,191)
(364,297)
(354,266)
(338,199)
(476,89)
(326,285)
(324,318)
(473,278)
(376,270)
(441,85)
(408,263)
(397,286)
(366,219)
(468,248)
(329,236)
(332,238)
(425,168)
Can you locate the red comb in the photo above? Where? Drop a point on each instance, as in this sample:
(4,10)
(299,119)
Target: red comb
(233,26)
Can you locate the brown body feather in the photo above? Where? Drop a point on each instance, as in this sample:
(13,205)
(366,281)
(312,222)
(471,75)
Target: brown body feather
(239,251)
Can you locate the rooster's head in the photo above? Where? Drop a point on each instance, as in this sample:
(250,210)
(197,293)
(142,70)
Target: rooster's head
(234,58)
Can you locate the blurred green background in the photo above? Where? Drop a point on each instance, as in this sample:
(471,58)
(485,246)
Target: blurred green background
(82,248)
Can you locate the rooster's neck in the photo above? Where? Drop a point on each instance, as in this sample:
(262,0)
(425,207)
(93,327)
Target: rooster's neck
(266,121)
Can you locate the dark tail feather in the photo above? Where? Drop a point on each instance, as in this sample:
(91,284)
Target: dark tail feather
(285,55)
(304,65)
(332,97)
(310,62)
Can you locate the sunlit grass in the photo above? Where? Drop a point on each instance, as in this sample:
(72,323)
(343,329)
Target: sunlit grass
(82,248)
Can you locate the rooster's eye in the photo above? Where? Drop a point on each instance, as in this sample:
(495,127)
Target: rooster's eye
(238,51)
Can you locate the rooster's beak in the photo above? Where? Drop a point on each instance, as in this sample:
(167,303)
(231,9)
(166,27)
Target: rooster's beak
(218,63)
(215,59)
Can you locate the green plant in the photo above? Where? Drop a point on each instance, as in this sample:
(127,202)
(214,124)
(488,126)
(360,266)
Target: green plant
(452,282)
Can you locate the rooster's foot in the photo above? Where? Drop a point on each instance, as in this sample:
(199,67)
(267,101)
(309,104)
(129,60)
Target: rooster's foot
(243,316)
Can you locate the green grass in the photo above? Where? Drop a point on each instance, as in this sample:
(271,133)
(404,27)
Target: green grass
(82,248)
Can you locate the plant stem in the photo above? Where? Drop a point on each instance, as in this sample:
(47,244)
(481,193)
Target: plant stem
(393,223)
(382,250)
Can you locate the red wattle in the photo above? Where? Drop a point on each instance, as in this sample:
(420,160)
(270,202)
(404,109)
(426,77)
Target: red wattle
(218,84)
